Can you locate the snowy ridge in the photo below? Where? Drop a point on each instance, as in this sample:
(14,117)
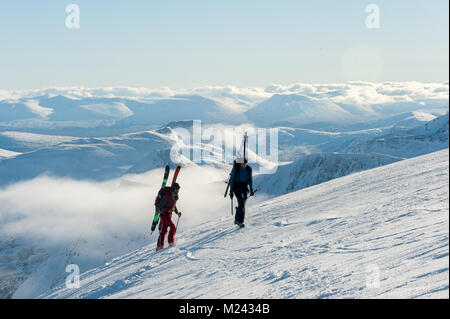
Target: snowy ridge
(296,110)
(394,122)
(88,158)
(429,137)
(103,158)
(23,142)
(5,153)
(99,158)
(319,242)
(317,168)
(437,127)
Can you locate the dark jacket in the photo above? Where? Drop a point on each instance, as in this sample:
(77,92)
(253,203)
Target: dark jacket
(165,202)
(242,176)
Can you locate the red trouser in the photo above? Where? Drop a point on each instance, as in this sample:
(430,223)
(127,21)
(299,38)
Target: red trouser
(166,221)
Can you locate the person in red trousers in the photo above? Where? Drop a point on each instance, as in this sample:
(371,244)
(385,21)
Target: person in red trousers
(165,206)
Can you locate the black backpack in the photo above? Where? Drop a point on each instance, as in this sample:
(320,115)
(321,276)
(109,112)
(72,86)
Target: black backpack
(236,167)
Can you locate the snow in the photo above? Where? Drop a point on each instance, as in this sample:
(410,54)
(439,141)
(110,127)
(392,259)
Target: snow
(106,158)
(31,141)
(87,156)
(5,153)
(432,127)
(426,138)
(118,110)
(333,240)
(317,168)
(297,109)
(35,108)
(292,105)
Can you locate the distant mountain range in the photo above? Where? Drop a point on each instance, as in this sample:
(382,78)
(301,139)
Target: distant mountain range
(112,111)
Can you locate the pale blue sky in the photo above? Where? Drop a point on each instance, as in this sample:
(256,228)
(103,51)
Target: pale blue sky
(184,44)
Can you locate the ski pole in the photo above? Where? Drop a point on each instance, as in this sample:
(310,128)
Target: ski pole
(232,206)
(176,227)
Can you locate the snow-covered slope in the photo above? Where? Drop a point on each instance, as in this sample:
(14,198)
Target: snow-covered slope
(89,158)
(333,137)
(57,114)
(100,158)
(429,137)
(317,168)
(294,109)
(7,154)
(25,142)
(294,143)
(382,233)
(393,122)
(436,128)
(18,259)
(179,108)
(111,157)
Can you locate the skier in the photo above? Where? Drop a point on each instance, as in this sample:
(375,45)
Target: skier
(241,178)
(165,205)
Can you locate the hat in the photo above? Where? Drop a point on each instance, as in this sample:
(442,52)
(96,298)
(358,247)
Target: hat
(241,160)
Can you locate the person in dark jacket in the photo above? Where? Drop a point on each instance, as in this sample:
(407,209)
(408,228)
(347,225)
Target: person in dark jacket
(165,206)
(241,179)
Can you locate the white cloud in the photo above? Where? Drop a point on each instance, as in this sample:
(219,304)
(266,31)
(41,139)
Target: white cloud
(55,211)
(61,221)
(355,93)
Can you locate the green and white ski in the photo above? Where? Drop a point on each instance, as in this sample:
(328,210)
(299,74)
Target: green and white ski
(164,183)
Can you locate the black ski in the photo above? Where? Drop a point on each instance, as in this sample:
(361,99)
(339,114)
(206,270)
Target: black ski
(228,184)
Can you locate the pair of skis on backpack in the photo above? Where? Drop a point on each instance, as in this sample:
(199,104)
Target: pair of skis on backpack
(164,183)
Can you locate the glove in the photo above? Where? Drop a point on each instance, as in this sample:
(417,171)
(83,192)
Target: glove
(179,214)
(252,192)
(231,195)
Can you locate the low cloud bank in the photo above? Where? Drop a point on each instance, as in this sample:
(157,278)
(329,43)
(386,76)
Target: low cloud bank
(89,223)
(57,210)
(356,93)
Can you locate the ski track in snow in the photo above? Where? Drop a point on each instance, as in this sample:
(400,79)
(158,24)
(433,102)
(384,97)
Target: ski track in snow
(319,242)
